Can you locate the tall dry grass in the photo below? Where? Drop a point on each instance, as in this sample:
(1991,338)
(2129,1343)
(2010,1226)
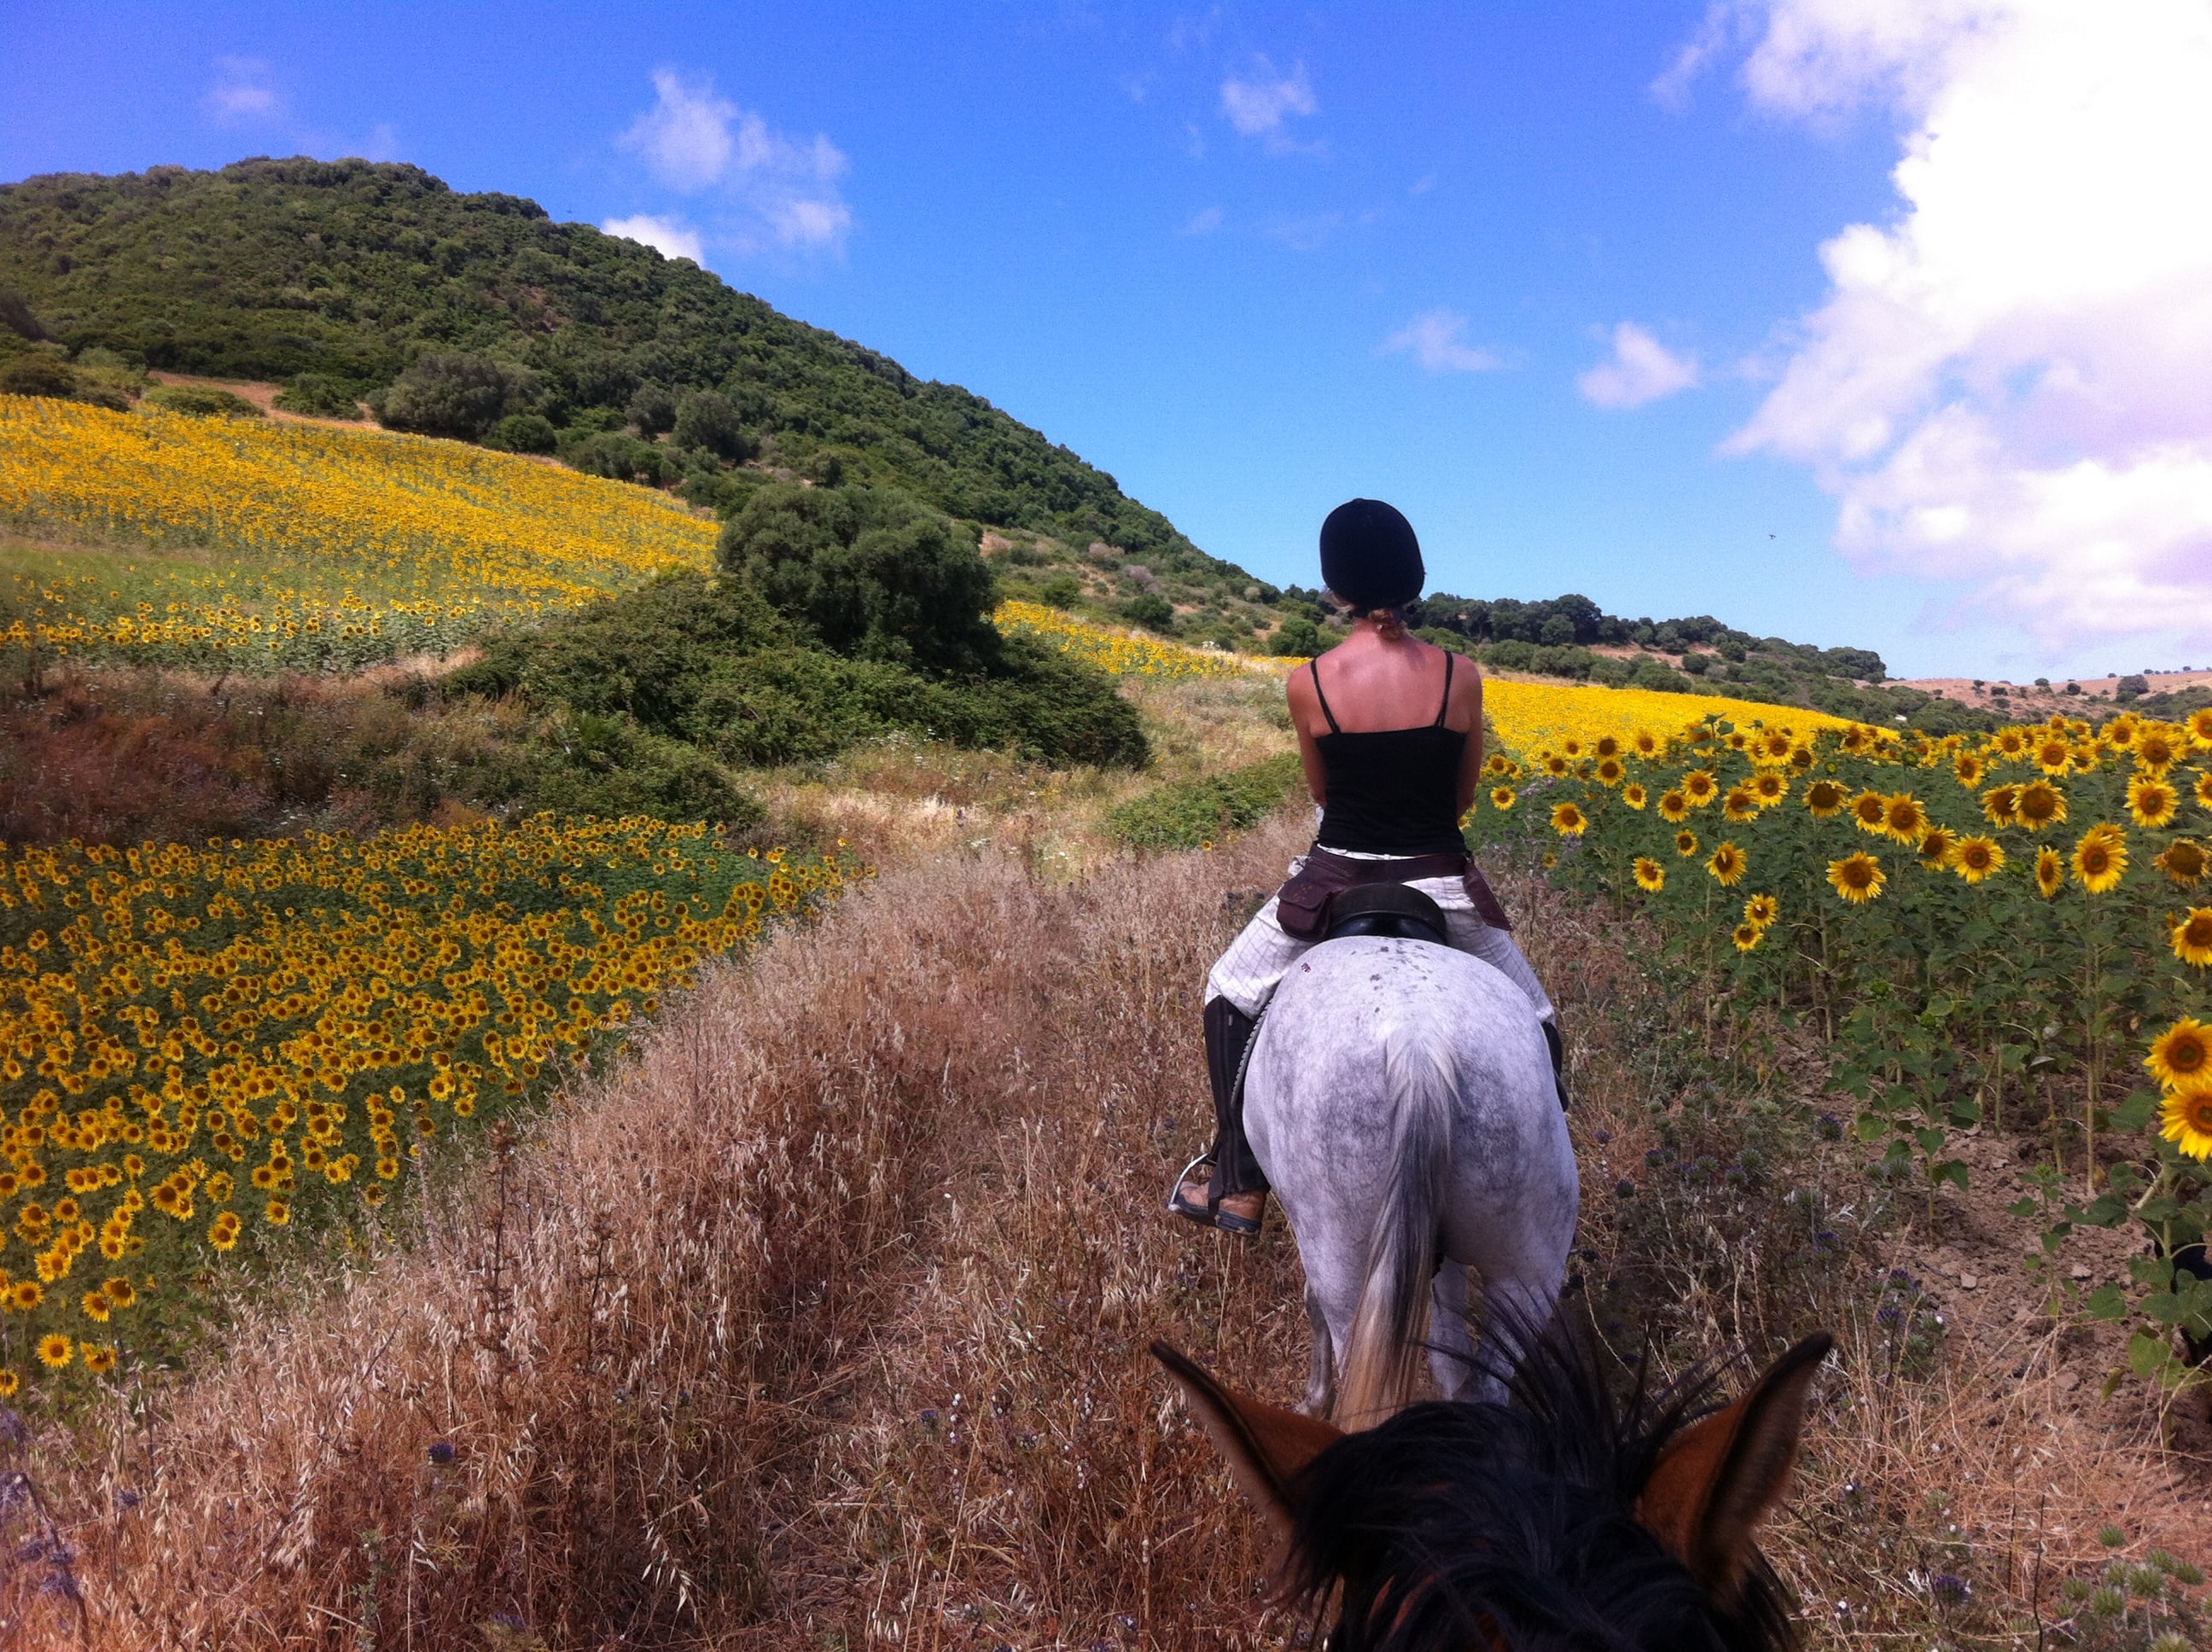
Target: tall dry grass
(822,1325)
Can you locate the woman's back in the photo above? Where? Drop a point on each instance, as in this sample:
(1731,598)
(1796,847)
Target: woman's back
(1389,727)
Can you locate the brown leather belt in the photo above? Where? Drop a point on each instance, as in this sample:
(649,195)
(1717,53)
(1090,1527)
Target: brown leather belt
(1302,904)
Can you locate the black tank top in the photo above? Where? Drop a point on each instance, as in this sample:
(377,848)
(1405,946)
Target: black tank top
(1394,791)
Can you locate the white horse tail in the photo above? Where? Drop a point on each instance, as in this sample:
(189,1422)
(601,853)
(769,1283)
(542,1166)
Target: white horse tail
(1384,1352)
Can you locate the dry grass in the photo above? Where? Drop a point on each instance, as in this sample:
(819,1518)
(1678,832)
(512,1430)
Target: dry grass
(822,1325)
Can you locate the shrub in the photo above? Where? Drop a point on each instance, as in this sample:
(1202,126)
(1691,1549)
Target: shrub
(1060,590)
(652,409)
(523,432)
(874,575)
(201,402)
(621,458)
(451,393)
(319,396)
(1186,813)
(707,423)
(1150,609)
(36,374)
(1296,636)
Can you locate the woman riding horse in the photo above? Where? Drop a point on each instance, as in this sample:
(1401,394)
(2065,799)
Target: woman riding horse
(1391,735)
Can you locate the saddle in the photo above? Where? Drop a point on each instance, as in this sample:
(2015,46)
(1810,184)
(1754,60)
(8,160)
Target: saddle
(1391,910)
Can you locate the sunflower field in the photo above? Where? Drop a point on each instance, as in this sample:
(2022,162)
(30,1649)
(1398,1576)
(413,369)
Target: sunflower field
(203,1047)
(1114,651)
(300,547)
(2015,928)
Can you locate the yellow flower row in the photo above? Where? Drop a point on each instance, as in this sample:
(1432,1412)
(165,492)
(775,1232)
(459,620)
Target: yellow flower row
(1114,652)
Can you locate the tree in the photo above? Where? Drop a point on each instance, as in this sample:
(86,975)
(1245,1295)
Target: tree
(1150,609)
(706,421)
(523,433)
(1297,636)
(39,374)
(875,575)
(451,393)
(653,410)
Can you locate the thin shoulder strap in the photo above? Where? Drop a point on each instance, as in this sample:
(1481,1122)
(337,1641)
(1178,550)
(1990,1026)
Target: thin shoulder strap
(1314,666)
(1449,659)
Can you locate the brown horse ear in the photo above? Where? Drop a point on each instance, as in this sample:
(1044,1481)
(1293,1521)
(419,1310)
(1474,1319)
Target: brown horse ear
(1266,1445)
(1714,1483)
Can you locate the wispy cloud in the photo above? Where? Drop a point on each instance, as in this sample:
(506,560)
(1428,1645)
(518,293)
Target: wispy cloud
(1262,103)
(1640,369)
(1436,339)
(243,92)
(782,191)
(1204,222)
(670,237)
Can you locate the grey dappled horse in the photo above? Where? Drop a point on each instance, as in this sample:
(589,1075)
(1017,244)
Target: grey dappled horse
(1400,1097)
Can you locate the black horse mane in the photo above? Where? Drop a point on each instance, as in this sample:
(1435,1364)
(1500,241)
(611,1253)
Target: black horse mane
(1465,1524)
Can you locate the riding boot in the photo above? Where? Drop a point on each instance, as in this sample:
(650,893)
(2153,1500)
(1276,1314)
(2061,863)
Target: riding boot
(1559,1049)
(1228,1030)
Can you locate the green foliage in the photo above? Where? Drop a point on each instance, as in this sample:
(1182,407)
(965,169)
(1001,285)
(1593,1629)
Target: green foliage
(1150,609)
(611,453)
(872,573)
(1297,636)
(319,396)
(451,393)
(523,432)
(202,402)
(1060,590)
(1184,814)
(653,410)
(708,422)
(37,374)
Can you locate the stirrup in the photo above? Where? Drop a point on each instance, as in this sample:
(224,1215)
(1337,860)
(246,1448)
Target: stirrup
(1205,1215)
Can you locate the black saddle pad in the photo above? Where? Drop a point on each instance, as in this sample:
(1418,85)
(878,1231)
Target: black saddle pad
(1386,909)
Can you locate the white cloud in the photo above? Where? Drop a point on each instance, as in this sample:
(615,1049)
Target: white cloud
(1204,222)
(784,190)
(241,94)
(2010,383)
(1434,339)
(670,237)
(1641,369)
(1259,106)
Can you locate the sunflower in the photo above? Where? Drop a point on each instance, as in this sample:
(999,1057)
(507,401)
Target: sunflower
(2041,805)
(1700,788)
(1673,806)
(96,1306)
(1647,744)
(2155,750)
(2050,872)
(1729,864)
(2204,789)
(1857,877)
(1747,937)
(1686,843)
(2192,938)
(1763,910)
(2011,741)
(2185,862)
(2181,1055)
(1741,804)
(1825,798)
(1976,858)
(2188,1120)
(1650,874)
(1500,765)
(1769,788)
(2054,757)
(223,1234)
(1634,795)
(1904,819)
(1571,746)
(1610,771)
(1937,845)
(1871,811)
(1503,797)
(1569,821)
(2099,858)
(55,1350)
(25,1295)
(1555,765)
(10,1382)
(120,1291)
(2001,805)
(2152,803)
(279,1213)
(1970,769)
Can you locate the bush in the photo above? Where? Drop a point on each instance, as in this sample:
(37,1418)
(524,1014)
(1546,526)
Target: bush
(451,393)
(652,409)
(1187,813)
(319,396)
(1060,590)
(201,402)
(618,457)
(37,375)
(874,575)
(707,423)
(1150,609)
(1296,636)
(523,432)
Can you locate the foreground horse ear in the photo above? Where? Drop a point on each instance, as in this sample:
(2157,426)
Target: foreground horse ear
(1714,1483)
(1266,1445)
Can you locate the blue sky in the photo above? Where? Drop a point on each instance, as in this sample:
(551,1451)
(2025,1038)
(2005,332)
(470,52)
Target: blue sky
(1549,277)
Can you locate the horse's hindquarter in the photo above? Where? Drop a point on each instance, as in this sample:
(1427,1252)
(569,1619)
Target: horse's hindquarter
(1323,1118)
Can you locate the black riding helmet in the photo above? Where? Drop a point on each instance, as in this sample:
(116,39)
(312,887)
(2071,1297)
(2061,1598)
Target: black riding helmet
(1369,555)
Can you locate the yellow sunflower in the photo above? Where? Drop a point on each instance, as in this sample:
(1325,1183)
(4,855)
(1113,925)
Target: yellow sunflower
(1937,845)
(1763,910)
(1857,877)
(120,1291)
(2181,1056)
(2184,861)
(1569,821)
(1607,745)
(2050,872)
(2204,789)
(2192,937)
(1871,811)
(98,1359)
(2001,805)
(1741,804)
(1686,843)
(1573,746)
(2188,1120)
(223,1236)
(2152,803)
(2053,756)
(1500,766)
(2041,805)
(2156,749)
(1969,768)
(1699,788)
(1770,787)
(1747,937)
(2199,725)
(1977,858)
(1610,770)
(1647,744)
(10,1382)
(1634,795)
(2099,858)
(1650,874)
(1825,798)
(1904,820)
(1503,797)
(1729,864)
(1675,807)
(55,1350)
(2011,741)
(1555,765)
